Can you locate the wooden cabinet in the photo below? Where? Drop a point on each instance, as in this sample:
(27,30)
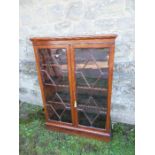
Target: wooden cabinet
(75,77)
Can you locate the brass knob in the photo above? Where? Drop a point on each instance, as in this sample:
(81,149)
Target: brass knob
(75,104)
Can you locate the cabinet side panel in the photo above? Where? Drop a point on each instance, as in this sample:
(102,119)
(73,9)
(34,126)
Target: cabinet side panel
(110,78)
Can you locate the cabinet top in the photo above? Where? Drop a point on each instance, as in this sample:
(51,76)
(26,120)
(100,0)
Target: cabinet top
(108,36)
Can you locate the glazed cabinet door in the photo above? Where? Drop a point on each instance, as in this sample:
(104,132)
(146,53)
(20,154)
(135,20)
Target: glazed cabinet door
(91,73)
(53,65)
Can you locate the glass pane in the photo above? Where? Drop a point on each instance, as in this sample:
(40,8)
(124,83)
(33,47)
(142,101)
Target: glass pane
(91,84)
(53,65)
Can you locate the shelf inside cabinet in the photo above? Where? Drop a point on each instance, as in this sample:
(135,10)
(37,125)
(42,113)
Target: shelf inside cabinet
(79,88)
(80,107)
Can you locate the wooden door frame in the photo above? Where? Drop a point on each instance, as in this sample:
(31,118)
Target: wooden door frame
(68,59)
(110,76)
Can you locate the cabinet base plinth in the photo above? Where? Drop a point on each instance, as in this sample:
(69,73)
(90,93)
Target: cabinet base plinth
(79,131)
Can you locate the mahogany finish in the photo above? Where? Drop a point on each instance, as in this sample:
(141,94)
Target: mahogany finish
(75,77)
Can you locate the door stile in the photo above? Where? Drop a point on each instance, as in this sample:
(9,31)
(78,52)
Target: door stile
(73,85)
(110,77)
